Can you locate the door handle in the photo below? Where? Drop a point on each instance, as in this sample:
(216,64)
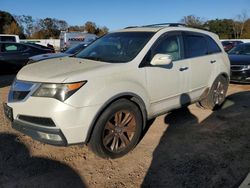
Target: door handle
(25,53)
(183,68)
(213,61)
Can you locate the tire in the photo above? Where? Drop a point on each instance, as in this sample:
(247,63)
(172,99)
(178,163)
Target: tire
(216,95)
(117,130)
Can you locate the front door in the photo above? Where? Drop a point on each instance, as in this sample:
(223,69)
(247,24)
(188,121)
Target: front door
(167,85)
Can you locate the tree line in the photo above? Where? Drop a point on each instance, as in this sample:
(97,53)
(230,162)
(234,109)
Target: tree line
(237,28)
(28,27)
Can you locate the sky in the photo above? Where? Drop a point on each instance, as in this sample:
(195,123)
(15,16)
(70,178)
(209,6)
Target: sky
(116,14)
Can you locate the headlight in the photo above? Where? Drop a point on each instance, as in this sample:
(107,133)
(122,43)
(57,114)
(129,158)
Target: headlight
(58,91)
(246,67)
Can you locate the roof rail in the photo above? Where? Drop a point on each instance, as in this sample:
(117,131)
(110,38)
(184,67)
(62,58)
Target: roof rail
(166,25)
(130,27)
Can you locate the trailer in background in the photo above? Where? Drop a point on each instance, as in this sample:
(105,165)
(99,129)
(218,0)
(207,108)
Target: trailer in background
(69,39)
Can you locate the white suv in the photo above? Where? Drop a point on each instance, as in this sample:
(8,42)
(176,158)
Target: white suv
(105,94)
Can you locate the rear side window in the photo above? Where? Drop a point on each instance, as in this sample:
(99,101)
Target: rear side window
(212,46)
(195,46)
(13,48)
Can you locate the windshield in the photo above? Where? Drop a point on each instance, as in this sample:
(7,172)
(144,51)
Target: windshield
(117,47)
(75,48)
(241,49)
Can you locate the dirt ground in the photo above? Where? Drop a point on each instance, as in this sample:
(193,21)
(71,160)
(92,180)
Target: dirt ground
(189,147)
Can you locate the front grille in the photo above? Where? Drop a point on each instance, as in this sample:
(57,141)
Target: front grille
(48,122)
(237,67)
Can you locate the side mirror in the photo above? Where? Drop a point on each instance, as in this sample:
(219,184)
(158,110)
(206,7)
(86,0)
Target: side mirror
(161,59)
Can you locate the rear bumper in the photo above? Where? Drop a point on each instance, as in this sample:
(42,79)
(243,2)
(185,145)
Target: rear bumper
(42,134)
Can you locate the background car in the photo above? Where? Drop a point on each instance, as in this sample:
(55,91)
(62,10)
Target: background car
(9,38)
(240,63)
(71,51)
(14,56)
(228,45)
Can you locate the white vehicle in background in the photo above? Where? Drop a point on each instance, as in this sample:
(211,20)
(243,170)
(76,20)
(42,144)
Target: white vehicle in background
(9,38)
(69,39)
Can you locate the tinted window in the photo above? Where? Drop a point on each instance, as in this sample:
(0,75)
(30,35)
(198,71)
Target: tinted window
(241,49)
(212,46)
(8,38)
(195,46)
(13,47)
(75,49)
(171,46)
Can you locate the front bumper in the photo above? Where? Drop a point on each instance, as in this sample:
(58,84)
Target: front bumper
(240,76)
(42,134)
(51,121)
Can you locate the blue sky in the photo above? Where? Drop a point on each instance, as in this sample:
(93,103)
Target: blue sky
(117,14)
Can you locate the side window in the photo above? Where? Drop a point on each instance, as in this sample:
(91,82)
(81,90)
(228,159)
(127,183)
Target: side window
(195,46)
(171,46)
(212,46)
(12,48)
(9,48)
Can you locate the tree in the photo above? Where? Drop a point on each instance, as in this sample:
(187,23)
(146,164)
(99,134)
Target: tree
(239,23)
(49,28)
(26,23)
(8,23)
(246,31)
(102,31)
(76,28)
(90,27)
(13,28)
(193,21)
(222,27)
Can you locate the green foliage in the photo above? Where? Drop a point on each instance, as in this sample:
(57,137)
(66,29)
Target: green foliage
(246,31)
(193,21)
(8,24)
(223,28)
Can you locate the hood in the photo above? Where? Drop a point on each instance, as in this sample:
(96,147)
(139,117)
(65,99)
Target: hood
(60,70)
(48,56)
(239,59)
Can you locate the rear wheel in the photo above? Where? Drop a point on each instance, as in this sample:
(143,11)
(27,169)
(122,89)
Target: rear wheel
(217,94)
(117,130)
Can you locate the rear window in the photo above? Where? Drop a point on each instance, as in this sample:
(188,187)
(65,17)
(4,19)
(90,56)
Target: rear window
(8,38)
(212,46)
(195,46)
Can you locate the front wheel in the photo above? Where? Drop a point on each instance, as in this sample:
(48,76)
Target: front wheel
(217,94)
(117,130)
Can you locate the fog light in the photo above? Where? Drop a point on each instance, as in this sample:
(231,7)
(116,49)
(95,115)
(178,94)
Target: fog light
(48,136)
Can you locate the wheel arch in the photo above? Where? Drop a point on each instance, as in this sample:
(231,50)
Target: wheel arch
(225,75)
(137,100)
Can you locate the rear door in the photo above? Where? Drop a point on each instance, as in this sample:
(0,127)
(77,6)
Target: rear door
(201,62)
